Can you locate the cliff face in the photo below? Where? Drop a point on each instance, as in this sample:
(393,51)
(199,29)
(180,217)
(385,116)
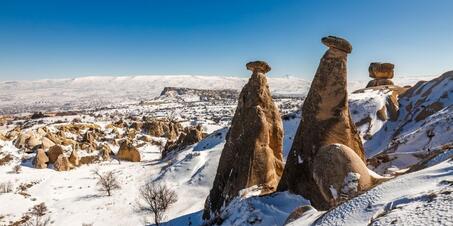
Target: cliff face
(325,120)
(253,151)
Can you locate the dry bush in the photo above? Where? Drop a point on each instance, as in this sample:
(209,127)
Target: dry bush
(37,216)
(6,187)
(107,181)
(156,199)
(17,169)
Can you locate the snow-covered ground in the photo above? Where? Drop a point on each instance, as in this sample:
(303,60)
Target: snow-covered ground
(72,197)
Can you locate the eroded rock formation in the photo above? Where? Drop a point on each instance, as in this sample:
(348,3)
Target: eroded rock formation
(128,152)
(325,120)
(252,154)
(191,135)
(40,160)
(62,163)
(54,152)
(382,74)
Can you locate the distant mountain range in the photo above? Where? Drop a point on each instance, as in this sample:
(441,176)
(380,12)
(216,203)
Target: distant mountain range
(91,92)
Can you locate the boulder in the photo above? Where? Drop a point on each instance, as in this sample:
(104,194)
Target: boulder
(32,141)
(340,173)
(379,82)
(40,160)
(53,137)
(252,155)
(62,163)
(325,120)
(128,152)
(381,70)
(54,152)
(46,143)
(74,158)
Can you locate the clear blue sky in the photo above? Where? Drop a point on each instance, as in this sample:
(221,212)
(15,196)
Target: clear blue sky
(60,39)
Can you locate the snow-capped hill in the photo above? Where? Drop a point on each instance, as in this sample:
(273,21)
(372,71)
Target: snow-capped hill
(423,124)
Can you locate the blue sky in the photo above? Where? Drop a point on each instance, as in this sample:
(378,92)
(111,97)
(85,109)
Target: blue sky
(60,39)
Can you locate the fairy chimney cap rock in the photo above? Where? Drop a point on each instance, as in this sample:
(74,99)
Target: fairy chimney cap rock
(258,66)
(337,43)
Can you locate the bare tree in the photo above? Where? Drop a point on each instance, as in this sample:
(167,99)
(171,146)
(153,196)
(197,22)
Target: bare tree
(107,181)
(37,216)
(157,198)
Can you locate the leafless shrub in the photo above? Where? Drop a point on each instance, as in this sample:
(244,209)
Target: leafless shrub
(85,224)
(156,199)
(37,216)
(6,187)
(107,181)
(17,169)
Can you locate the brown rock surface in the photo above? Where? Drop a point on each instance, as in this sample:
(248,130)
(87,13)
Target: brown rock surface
(54,152)
(335,167)
(379,82)
(47,143)
(105,151)
(325,120)
(252,154)
(163,128)
(40,160)
(381,70)
(128,152)
(62,163)
(191,135)
(74,158)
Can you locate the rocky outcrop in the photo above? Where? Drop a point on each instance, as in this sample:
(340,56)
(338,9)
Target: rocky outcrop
(40,160)
(325,120)
(191,135)
(62,163)
(252,154)
(54,152)
(128,152)
(163,128)
(382,74)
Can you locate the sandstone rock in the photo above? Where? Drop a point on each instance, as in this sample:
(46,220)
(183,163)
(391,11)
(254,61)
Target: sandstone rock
(381,70)
(62,163)
(47,143)
(54,152)
(20,141)
(339,172)
(379,82)
(191,135)
(53,137)
(106,151)
(128,152)
(337,43)
(40,160)
(252,154)
(325,120)
(74,158)
(32,141)
(3,137)
(163,128)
